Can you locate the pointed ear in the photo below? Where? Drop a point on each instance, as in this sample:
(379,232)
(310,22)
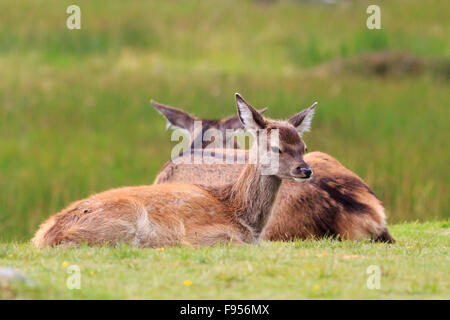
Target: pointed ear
(302,120)
(175,117)
(249,117)
(235,123)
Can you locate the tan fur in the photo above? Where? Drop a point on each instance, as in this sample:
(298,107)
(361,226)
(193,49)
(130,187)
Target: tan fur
(302,210)
(148,216)
(335,203)
(177,213)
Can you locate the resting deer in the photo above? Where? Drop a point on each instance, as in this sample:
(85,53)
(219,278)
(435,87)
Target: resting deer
(178,214)
(335,203)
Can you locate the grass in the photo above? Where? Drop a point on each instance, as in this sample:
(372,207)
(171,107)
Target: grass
(416,267)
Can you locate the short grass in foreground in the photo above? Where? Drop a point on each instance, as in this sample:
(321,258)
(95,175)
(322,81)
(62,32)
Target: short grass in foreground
(416,267)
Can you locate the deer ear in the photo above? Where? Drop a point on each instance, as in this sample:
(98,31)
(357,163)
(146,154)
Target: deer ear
(302,120)
(176,118)
(249,117)
(234,122)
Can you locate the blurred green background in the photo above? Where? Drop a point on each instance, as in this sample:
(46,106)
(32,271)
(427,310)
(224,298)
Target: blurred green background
(75,116)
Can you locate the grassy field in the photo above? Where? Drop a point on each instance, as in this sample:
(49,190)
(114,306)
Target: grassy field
(75,119)
(414,268)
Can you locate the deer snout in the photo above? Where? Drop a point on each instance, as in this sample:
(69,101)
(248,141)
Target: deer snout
(302,172)
(307,172)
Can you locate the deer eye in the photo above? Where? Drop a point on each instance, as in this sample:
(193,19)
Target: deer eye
(275,150)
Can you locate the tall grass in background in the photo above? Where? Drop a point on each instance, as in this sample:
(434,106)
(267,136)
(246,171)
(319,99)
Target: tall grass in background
(75,116)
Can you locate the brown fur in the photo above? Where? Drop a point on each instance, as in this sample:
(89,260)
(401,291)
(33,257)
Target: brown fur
(172,214)
(149,216)
(336,202)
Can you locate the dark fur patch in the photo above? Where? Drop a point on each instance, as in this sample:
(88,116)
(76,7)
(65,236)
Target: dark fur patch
(322,212)
(325,219)
(343,192)
(385,236)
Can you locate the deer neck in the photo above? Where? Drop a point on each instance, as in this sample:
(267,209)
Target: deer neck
(253,196)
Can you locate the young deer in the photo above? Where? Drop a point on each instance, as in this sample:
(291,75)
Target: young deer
(335,203)
(176,214)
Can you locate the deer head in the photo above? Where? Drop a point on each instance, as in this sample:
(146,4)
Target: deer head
(289,147)
(179,119)
(251,119)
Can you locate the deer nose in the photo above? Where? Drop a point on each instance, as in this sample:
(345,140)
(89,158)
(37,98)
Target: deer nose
(307,172)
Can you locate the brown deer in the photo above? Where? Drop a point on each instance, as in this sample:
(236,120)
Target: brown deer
(187,214)
(335,203)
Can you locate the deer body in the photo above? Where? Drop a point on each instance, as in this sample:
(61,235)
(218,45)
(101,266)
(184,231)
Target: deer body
(158,215)
(180,214)
(336,202)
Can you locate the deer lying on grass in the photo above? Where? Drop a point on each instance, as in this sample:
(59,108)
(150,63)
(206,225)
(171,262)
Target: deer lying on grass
(335,203)
(178,214)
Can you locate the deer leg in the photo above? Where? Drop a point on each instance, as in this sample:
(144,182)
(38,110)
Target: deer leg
(214,234)
(384,236)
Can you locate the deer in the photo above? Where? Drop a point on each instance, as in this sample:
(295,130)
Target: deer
(175,214)
(335,203)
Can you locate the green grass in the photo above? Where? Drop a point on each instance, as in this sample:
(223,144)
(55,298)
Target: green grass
(416,267)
